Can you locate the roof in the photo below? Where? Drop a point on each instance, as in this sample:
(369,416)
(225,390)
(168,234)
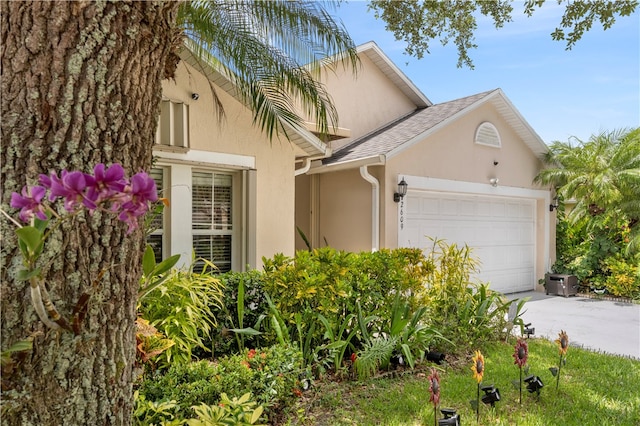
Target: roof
(391,139)
(303,138)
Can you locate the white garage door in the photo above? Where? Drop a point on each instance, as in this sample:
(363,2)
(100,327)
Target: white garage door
(500,231)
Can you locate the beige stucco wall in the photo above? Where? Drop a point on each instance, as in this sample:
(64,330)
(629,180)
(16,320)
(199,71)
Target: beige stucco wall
(274,161)
(451,154)
(365,100)
(345,210)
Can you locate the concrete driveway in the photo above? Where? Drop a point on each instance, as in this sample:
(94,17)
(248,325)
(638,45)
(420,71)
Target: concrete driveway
(601,325)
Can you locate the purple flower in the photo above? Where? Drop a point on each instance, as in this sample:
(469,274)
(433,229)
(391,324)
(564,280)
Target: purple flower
(29,203)
(140,193)
(143,187)
(70,186)
(104,184)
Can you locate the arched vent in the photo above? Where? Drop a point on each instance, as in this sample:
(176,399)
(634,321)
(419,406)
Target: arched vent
(487,134)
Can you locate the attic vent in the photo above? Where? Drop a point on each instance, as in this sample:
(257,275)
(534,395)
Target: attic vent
(173,125)
(488,135)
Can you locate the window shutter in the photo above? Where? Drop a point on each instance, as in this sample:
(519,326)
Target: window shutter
(173,125)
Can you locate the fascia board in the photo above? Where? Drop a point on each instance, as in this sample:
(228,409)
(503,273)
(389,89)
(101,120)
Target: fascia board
(376,160)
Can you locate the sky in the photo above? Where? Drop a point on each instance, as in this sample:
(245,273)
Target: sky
(562,94)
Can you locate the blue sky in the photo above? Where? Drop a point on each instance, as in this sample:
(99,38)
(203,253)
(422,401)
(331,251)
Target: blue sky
(561,93)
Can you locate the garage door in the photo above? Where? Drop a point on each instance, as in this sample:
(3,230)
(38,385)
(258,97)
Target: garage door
(500,231)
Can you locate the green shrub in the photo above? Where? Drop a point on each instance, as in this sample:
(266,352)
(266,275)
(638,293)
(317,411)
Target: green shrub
(180,308)
(253,312)
(465,312)
(317,294)
(271,375)
(231,411)
(624,277)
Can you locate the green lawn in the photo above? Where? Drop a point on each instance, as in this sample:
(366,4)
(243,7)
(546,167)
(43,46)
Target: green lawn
(595,389)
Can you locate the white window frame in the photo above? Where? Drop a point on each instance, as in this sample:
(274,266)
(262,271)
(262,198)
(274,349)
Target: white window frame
(178,233)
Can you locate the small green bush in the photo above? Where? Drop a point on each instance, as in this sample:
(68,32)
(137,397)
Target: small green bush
(465,312)
(255,310)
(180,308)
(624,277)
(271,375)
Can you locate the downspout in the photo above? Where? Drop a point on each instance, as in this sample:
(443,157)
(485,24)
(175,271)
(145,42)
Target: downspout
(375,207)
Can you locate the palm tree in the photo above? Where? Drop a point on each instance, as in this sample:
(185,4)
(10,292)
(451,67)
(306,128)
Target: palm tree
(602,175)
(270,51)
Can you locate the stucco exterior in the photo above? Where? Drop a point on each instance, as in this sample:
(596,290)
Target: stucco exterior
(264,186)
(442,157)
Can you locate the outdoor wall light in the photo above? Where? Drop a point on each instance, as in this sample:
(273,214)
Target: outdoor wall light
(402,191)
(534,384)
(554,204)
(436,357)
(494,181)
(528,330)
(491,395)
(195,96)
(450,417)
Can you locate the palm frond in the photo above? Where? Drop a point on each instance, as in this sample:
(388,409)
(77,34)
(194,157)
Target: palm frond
(269,50)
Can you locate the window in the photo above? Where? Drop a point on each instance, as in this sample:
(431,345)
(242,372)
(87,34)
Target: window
(212,219)
(488,135)
(156,238)
(173,126)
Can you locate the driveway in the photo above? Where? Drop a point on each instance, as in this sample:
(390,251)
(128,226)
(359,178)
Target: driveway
(601,325)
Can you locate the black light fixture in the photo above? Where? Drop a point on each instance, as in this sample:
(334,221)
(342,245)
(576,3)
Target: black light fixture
(450,417)
(491,395)
(436,357)
(528,330)
(554,204)
(195,96)
(534,384)
(402,191)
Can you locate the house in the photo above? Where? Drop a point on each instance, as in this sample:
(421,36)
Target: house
(231,190)
(469,164)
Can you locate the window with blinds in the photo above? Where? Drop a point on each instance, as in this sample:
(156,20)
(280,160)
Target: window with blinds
(211,218)
(156,238)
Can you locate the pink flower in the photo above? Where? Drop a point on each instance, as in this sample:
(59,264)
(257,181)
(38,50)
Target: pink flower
(434,387)
(105,183)
(29,203)
(70,186)
(521,353)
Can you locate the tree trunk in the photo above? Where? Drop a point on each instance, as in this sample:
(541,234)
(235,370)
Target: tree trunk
(81,85)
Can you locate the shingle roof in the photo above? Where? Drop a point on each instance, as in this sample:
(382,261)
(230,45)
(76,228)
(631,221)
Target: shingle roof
(395,134)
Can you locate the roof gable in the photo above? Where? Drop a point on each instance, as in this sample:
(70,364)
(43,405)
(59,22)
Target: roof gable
(401,134)
(393,73)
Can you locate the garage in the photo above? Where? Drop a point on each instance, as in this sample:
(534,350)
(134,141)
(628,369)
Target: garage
(500,231)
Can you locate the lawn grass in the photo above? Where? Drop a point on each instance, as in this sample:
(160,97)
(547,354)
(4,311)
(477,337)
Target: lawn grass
(595,389)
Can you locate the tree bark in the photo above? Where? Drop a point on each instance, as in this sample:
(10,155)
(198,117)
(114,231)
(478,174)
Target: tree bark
(81,85)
